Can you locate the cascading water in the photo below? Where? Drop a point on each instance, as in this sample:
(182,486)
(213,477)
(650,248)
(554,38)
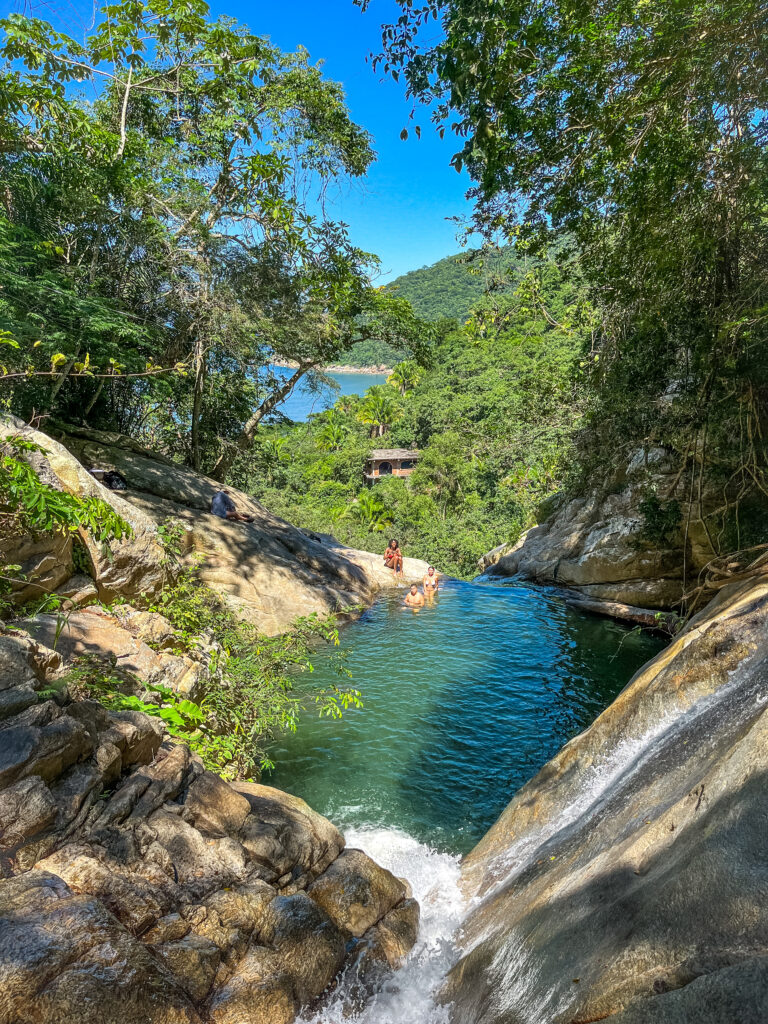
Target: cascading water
(409,996)
(464,701)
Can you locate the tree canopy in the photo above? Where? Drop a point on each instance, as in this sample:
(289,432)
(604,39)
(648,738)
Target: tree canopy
(163,209)
(638,132)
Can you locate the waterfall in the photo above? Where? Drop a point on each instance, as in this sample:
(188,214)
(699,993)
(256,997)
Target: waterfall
(408,997)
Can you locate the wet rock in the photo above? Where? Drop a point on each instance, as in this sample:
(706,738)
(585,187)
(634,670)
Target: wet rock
(634,862)
(311,947)
(389,942)
(64,957)
(733,994)
(308,839)
(355,892)
(214,807)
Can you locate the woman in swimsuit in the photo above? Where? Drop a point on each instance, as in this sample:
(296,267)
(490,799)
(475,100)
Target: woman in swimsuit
(393,558)
(431,582)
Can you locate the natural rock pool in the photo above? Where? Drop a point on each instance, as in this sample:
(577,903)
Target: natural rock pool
(464,702)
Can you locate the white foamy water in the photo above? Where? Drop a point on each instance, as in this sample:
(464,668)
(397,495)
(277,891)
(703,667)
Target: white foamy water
(408,997)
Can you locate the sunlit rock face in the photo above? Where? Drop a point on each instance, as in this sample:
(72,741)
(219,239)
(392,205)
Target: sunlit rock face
(136,887)
(268,571)
(628,881)
(600,544)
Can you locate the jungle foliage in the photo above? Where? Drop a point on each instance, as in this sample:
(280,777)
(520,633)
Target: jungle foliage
(493,416)
(639,132)
(162,227)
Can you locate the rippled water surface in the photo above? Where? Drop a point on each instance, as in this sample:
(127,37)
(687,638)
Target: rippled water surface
(464,702)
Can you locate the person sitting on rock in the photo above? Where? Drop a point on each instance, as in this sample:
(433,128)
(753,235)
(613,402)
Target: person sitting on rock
(393,558)
(414,598)
(223,507)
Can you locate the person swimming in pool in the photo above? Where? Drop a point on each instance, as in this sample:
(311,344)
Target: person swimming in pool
(414,598)
(431,582)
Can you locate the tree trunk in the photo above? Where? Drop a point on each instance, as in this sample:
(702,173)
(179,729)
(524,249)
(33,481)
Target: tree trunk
(248,433)
(197,402)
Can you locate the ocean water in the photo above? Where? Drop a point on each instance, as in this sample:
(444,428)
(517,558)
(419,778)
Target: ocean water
(304,400)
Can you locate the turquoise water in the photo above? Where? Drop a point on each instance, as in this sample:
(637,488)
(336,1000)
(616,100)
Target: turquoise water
(464,702)
(303,400)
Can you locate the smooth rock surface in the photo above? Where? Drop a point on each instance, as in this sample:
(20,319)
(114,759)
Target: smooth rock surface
(269,571)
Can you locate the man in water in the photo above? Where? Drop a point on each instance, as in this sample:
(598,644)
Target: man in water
(431,582)
(223,507)
(393,558)
(414,599)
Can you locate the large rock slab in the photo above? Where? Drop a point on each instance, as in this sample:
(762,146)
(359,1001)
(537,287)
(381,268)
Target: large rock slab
(628,880)
(119,640)
(356,893)
(133,565)
(64,957)
(269,571)
(597,545)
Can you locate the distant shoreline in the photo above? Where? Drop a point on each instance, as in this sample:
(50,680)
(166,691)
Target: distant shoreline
(290,364)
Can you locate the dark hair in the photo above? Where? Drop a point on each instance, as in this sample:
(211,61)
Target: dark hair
(430,567)
(393,542)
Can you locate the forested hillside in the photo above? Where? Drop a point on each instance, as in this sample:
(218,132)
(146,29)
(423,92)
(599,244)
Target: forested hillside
(493,413)
(450,287)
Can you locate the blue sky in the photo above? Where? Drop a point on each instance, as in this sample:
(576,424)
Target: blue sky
(400,210)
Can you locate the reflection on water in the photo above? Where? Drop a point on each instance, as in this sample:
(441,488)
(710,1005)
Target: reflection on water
(464,702)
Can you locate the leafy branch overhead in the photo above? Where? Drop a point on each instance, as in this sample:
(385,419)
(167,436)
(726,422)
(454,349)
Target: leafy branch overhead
(172,232)
(636,134)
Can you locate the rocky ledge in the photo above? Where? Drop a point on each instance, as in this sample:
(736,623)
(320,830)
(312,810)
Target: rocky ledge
(598,544)
(136,887)
(269,571)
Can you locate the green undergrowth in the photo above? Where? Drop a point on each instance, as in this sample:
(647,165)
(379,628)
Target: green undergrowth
(251,697)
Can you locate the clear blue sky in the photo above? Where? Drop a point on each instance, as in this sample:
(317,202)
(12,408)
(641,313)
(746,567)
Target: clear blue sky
(400,210)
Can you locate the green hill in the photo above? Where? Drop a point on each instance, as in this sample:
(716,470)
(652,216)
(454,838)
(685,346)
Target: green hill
(451,286)
(446,289)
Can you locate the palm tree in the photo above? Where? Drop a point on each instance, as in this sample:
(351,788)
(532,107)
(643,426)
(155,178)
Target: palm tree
(405,376)
(379,410)
(272,457)
(369,510)
(333,430)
